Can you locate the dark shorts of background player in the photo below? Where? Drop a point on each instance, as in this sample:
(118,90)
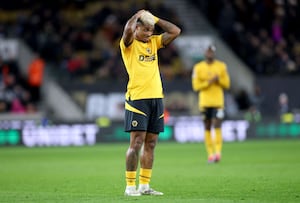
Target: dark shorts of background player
(209,113)
(153,122)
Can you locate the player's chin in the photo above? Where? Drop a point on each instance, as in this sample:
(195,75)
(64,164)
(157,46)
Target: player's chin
(146,39)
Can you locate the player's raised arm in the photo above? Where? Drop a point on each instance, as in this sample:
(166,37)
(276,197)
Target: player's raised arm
(128,33)
(171,31)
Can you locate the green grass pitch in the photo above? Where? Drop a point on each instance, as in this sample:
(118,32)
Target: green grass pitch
(251,171)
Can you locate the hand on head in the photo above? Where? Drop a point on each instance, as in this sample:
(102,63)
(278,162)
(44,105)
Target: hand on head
(139,13)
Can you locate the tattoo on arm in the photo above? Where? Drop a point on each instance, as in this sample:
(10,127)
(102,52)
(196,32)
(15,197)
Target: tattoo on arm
(171,31)
(128,33)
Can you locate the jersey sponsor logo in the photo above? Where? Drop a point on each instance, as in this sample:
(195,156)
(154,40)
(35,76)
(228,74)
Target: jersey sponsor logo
(147,58)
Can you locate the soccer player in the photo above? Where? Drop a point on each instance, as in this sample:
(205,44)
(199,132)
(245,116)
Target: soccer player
(210,78)
(143,106)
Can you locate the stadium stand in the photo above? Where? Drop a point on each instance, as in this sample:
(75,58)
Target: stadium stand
(16,92)
(79,41)
(265,34)
(81,38)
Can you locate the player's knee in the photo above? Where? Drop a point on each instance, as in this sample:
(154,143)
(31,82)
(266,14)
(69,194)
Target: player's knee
(150,144)
(207,125)
(217,123)
(131,152)
(138,143)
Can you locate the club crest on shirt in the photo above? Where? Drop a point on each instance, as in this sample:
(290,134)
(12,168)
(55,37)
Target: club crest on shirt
(148,50)
(134,123)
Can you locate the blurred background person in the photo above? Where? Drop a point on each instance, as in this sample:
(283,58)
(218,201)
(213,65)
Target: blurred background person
(35,77)
(210,78)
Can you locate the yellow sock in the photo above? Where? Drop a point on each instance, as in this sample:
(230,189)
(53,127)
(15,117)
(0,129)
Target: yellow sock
(130,178)
(209,143)
(145,176)
(218,140)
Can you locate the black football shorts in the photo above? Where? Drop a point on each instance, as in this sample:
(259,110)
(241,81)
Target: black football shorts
(144,115)
(211,112)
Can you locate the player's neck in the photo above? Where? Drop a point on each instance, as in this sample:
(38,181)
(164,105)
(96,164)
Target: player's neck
(209,61)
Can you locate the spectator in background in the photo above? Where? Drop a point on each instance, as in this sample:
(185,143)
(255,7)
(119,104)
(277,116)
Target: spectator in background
(257,98)
(226,22)
(17,106)
(14,97)
(61,31)
(283,100)
(253,113)
(263,33)
(285,112)
(35,77)
(243,100)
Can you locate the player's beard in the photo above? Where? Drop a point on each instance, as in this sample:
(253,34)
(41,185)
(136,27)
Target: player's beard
(142,37)
(145,38)
(210,59)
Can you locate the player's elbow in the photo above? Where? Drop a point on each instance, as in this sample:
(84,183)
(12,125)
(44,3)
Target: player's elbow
(195,89)
(177,31)
(227,86)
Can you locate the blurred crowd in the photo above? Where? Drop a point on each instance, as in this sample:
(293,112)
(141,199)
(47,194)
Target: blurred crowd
(81,38)
(264,33)
(78,38)
(20,93)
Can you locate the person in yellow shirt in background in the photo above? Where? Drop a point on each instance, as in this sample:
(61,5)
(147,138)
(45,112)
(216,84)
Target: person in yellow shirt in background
(210,78)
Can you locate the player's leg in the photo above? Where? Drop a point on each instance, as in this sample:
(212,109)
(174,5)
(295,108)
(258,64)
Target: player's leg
(147,154)
(132,157)
(218,139)
(147,159)
(156,125)
(209,144)
(218,133)
(136,123)
(206,115)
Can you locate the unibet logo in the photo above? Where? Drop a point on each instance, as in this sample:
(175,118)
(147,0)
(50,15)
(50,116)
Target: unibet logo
(10,137)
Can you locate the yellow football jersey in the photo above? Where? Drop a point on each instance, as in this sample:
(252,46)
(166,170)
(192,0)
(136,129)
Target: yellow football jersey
(141,62)
(210,95)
